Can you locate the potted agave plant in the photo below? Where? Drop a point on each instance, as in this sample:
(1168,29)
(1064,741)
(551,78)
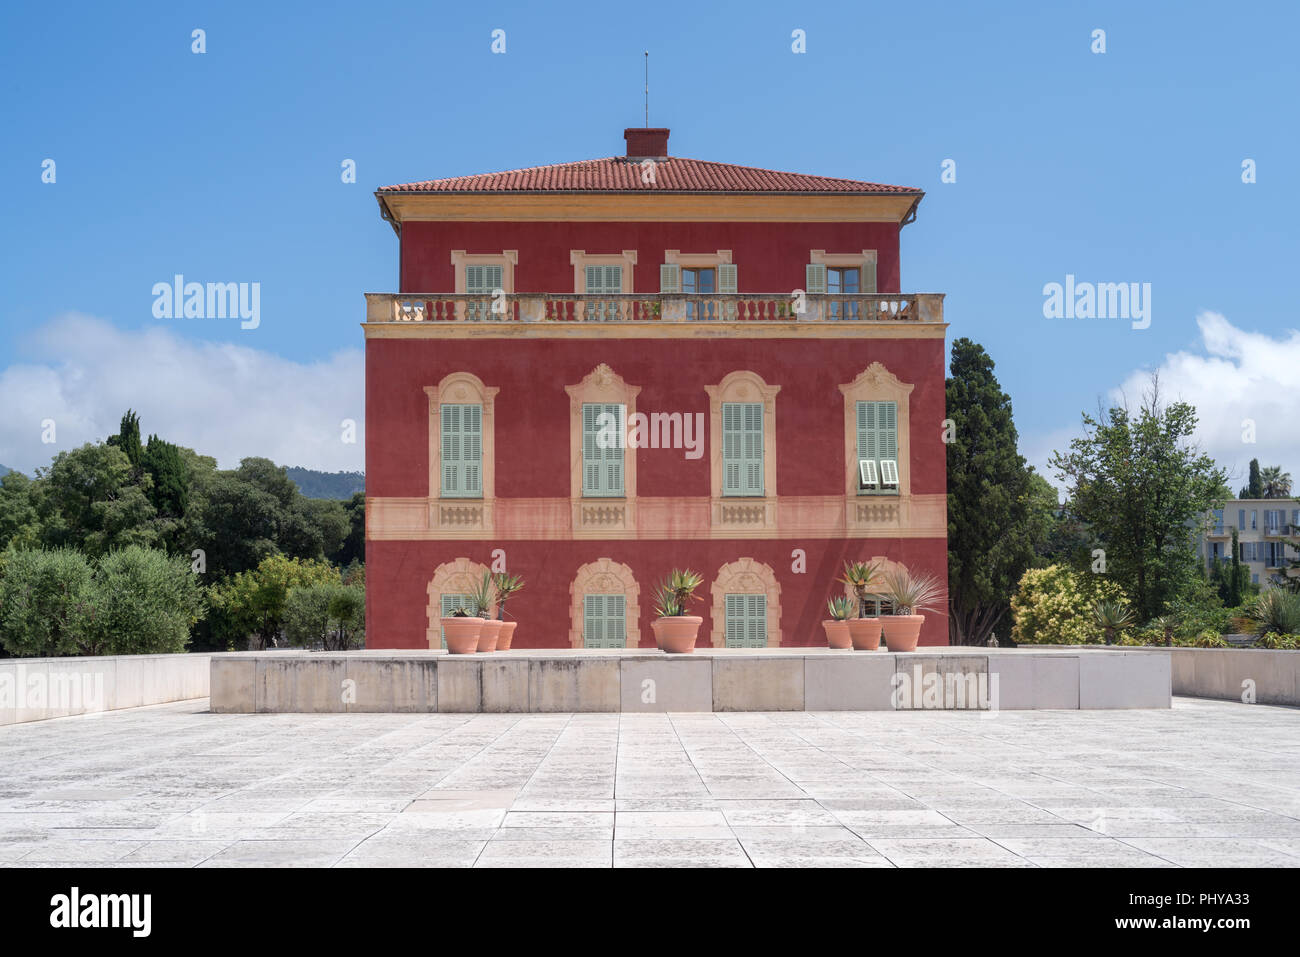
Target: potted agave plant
(1112,618)
(506,585)
(462,630)
(675,631)
(862,577)
(482,597)
(912,596)
(837,626)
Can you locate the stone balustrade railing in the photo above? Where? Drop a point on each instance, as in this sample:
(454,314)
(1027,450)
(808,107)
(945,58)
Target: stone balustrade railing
(651,307)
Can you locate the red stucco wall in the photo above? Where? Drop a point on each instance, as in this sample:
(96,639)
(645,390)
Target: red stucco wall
(769,257)
(398,573)
(532,408)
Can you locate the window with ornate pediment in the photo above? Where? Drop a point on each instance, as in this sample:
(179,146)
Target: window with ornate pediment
(746,605)
(605,603)
(876,434)
(602,482)
(742,451)
(462,457)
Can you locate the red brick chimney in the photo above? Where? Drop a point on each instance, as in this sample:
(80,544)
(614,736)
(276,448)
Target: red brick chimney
(646,142)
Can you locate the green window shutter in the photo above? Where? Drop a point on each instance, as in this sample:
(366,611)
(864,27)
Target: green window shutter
(462,451)
(735,620)
(727,278)
(604,621)
(602,468)
(742,448)
(604,280)
(670,278)
(815,279)
(483,280)
(869,277)
(746,625)
(877,424)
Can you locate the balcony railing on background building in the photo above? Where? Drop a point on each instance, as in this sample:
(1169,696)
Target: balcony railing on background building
(650,307)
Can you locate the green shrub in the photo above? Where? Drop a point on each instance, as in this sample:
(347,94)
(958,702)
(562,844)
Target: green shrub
(1278,642)
(331,615)
(1206,639)
(1055,605)
(142,603)
(44,602)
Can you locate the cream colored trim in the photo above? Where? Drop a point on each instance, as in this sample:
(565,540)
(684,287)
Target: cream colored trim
(750,513)
(457,577)
(652,206)
(660,518)
(649,329)
(842,259)
(605,576)
(507,259)
(745,576)
(581,259)
(876,383)
(601,517)
(700,260)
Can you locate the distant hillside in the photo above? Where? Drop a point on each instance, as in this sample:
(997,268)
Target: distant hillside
(5,470)
(340,485)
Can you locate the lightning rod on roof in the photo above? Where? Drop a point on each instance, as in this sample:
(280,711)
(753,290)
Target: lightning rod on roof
(647,89)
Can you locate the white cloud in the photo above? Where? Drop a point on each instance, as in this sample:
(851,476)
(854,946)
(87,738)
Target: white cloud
(221,399)
(1233,376)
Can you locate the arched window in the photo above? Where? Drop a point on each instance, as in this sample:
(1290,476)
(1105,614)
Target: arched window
(746,606)
(605,606)
(451,586)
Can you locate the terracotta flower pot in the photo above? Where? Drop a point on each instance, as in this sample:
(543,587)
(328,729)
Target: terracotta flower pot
(676,635)
(462,635)
(902,631)
(865,633)
(506,636)
(487,638)
(837,633)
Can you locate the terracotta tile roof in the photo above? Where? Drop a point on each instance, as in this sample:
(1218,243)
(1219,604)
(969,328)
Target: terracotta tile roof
(621,174)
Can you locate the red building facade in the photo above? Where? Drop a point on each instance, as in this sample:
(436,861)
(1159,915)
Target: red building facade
(599,371)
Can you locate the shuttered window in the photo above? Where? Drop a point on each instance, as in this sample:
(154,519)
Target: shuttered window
(742,448)
(482,281)
(602,449)
(878,442)
(603,281)
(462,451)
(746,621)
(604,621)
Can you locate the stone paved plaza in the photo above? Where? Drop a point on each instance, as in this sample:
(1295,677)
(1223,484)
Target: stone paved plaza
(1206,783)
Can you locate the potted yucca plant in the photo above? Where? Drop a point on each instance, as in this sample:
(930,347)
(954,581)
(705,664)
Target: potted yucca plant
(462,631)
(675,631)
(506,585)
(482,597)
(837,626)
(912,596)
(863,577)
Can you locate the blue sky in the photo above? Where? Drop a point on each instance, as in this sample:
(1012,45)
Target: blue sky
(1115,167)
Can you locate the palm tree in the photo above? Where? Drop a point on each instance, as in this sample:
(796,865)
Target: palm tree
(1276,483)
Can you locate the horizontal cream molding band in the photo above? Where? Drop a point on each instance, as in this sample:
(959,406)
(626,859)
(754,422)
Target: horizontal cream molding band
(650,329)
(648,207)
(655,518)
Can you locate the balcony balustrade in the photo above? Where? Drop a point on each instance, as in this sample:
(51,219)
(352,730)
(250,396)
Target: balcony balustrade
(652,307)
